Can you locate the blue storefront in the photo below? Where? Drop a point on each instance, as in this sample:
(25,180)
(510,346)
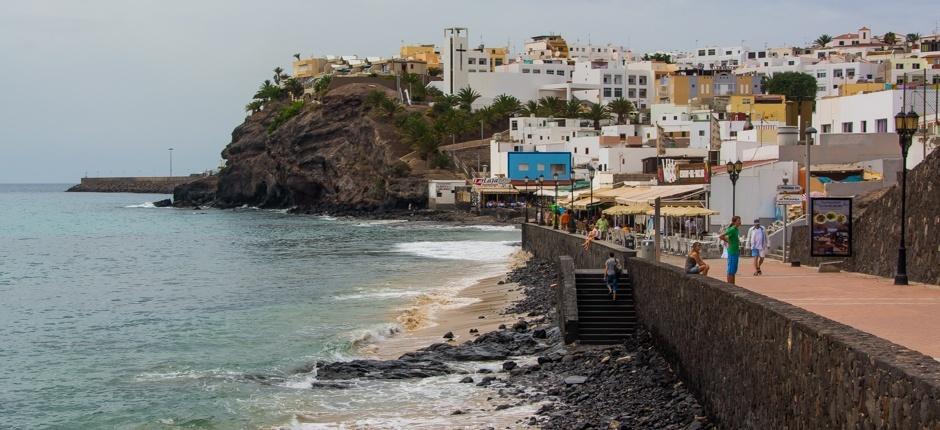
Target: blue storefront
(534,164)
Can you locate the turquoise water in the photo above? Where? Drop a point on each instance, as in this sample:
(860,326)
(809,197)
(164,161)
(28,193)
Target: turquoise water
(118,315)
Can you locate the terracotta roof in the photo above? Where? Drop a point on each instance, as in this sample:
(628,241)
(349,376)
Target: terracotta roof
(864,28)
(846,36)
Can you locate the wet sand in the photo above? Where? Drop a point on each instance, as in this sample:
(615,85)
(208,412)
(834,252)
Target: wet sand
(486,298)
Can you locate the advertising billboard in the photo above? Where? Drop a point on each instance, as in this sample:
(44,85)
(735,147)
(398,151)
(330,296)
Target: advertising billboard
(832,227)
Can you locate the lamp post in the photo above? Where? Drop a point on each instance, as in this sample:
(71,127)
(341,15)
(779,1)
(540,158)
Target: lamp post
(541,215)
(526,209)
(734,172)
(591,172)
(555,211)
(810,132)
(571,222)
(171,161)
(905,124)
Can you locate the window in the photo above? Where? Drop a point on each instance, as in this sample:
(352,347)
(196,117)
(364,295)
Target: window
(837,73)
(525,70)
(915,66)
(750,55)
(701,133)
(864,126)
(881,125)
(606,92)
(820,73)
(471,60)
(529,136)
(549,72)
(514,125)
(523,167)
(618,79)
(560,169)
(587,150)
(642,80)
(762,54)
(606,79)
(701,52)
(850,73)
(482,61)
(498,61)
(899,66)
(536,71)
(631,79)
(711,52)
(846,127)
(790,63)
(827,128)
(618,92)
(675,118)
(734,133)
(727,52)
(820,89)
(575,149)
(642,93)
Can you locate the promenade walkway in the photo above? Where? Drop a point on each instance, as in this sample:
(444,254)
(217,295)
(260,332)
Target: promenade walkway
(908,316)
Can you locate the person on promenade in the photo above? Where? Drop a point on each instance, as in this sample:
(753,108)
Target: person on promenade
(732,238)
(757,242)
(590,238)
(694,265)
(602,228)
(612,272)
(565,218)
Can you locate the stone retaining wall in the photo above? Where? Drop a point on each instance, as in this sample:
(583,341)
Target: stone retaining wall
(139,184)
(756,362)
(549,244)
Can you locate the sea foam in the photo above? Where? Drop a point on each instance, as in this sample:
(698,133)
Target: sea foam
(474,250)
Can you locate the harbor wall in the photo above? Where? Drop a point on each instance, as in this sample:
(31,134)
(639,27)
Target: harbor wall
(138,184)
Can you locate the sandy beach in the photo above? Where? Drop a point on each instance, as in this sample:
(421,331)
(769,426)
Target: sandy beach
(487,298)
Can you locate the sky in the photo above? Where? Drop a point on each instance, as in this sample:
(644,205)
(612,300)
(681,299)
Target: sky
(105,87)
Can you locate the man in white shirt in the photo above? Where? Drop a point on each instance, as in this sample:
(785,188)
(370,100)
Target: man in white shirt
(758,243)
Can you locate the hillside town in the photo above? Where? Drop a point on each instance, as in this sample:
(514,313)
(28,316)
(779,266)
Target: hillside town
(682,140)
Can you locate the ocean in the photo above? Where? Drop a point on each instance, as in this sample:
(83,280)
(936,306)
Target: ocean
(116,314)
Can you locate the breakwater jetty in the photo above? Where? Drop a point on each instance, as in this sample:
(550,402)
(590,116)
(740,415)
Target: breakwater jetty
(753,361)
(133,184)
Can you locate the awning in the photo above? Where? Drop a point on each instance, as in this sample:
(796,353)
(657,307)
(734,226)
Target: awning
(646,194)
(584,203)
(495,190)
(677,211)
(634,209)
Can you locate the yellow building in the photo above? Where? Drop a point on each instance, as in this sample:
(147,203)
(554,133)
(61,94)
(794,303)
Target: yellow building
(861,88)
(680,88)
(546,47)
(310,67)
(497,56)
(426,53)
(898,67)
(771,107)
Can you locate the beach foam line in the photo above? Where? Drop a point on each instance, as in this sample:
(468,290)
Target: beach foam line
(474,250)
(383,293)
(142,205)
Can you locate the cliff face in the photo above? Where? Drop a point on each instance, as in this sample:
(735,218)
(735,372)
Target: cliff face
(335,157)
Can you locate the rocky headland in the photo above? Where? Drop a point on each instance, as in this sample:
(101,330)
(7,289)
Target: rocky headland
(336,155)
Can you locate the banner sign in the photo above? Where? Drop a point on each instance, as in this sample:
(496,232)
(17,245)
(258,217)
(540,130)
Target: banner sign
(789,199)
(789,189)
(831,221)
(492,182)
(672,173)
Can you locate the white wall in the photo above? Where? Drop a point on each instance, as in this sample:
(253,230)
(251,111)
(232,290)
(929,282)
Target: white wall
(524,87)
(756,192)
(623,159)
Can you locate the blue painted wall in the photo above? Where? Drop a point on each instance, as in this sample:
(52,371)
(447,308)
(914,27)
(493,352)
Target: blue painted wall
(533,164)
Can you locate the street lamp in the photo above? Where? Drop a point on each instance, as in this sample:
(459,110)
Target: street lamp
(810,132)
(555,211)
(591,172)
(541,215)
(905,125)
(571,222)
(734,171)
(526,208)
(171,161)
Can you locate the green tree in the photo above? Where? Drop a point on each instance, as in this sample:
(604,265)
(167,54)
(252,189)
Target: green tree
(506,105)
(293,87)
(268,91)
(658,56)
(375,98)
(596,113)
(823,40)
(412,81)
(466,97)
(278,75)
(297,56)
(890,38)
(417,132)
(254,106)
(550,106)
(622,108)
(390,107)
(531,107)
(571,109)
(794,85)
(912,38)
(321,85)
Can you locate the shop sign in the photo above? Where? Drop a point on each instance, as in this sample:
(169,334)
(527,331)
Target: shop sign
(831,221)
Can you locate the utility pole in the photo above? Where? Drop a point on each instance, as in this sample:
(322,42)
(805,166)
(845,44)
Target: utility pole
(171,162)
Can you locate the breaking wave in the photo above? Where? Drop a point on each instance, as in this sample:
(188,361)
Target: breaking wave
(474,250)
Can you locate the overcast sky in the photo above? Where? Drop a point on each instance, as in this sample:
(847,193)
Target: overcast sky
(106,86)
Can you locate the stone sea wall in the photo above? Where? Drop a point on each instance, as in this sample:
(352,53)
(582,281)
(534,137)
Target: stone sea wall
(756,362)
(140,184)
(546,243)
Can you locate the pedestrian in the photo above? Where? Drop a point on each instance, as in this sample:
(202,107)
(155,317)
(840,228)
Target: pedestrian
(694,265)
(602,228)
(733,240)
(612,272)
(757,242)
(565,218)
(590,238)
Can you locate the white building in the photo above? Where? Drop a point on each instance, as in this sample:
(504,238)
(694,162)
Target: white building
(590,52)
(459,60)
(831,73)
(442,193)
(633,81)
(526,131)
(869,112)
(714,57)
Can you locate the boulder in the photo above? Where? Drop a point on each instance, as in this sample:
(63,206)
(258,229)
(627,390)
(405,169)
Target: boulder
(163,203)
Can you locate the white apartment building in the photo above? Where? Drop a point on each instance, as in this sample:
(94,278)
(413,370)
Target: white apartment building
(830,73)
(538,67)
(868,112)
(633,81)
(590,52)
(529,131)
(714,57)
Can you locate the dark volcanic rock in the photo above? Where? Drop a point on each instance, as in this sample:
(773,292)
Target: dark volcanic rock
(379,369)
(163,203)
(334,156)
(536,278)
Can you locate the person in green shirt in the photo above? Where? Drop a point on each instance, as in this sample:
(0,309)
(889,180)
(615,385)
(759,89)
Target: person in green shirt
(732,237)
(602,228)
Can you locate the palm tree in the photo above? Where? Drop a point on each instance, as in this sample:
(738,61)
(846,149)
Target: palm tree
(254,106)
(506,105)
(571,108)
(375,98)
(297,56)
(411,80)
(823,40)
(294,87)
(322,84)
(596,113)
(911,39)
(268,91)
(622,108)
(466,97)
(550,106)
(278,72)
(890,38)
(531,107)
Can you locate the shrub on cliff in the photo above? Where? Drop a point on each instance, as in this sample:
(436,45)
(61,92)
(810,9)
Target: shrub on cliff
(285,114)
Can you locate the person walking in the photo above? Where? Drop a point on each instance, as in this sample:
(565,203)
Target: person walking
(602,226)
(757,242)
(612,272)
(733,239)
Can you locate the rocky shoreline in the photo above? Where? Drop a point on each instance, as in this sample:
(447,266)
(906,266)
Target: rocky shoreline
(628,386)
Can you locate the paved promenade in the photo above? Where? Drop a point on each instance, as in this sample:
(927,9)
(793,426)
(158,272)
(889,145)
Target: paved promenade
(908,316)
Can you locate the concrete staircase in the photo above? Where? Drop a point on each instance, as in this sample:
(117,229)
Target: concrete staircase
(602,321)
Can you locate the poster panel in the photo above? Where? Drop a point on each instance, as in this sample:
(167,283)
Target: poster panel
(832,227)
